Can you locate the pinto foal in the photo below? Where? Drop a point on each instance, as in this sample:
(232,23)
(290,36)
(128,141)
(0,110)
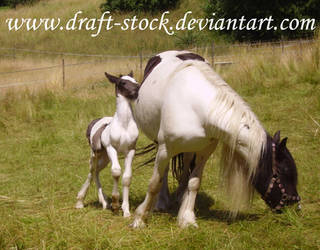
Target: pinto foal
(107,137)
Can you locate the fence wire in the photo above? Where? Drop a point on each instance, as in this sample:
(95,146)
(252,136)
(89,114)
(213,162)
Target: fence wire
(212,50)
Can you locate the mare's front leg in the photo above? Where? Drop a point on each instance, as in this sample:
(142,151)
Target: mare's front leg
(186,216)
(160,166)
(115,172)
(126,181)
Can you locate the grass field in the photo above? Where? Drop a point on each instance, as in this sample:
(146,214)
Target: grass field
(44,153)
(44,161)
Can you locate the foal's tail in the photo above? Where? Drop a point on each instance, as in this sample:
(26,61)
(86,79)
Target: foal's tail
(145,150)
(177,162)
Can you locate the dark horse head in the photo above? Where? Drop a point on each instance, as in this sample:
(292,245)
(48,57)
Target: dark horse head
(276,176)
(125,85)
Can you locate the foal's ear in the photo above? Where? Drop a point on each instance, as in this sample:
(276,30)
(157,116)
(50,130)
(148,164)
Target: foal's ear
(131,73)
(112,78)
(276,137)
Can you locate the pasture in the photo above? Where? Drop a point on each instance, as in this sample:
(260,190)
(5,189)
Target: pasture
(44,161)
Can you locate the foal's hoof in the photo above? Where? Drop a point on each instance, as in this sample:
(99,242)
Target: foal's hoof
(79,204)
(115,207)
(138,223)
(126,214)
(186,224)
(104,206)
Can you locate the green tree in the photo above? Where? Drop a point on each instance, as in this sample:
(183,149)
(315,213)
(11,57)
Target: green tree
(138,5)
(278,9)
(14,3)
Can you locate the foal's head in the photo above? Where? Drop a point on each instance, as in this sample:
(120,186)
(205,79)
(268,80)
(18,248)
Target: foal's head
(125,85)
(276,178)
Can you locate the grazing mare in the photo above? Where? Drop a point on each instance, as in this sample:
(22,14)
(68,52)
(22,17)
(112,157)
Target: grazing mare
(109,136)
(186,108)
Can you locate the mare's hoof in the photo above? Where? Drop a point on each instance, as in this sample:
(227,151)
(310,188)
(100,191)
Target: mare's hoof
(126,214)
(138,223)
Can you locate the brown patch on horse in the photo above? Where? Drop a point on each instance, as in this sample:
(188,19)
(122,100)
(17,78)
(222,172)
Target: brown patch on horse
(152,63)
(190,56)
(96,139)
(89,128)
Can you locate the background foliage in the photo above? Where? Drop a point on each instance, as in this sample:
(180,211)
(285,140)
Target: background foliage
(14,3)
(253,9)
(139,5)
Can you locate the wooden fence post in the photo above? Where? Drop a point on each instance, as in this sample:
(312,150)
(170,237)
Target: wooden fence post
(63,74)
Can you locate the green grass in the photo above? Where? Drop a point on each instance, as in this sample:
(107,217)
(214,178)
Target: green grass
(44,161)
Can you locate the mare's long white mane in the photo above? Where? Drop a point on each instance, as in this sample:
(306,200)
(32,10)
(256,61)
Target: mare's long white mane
(240,130)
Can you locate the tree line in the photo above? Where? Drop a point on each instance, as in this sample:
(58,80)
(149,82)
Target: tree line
(250,9)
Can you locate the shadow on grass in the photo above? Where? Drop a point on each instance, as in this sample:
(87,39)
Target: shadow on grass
(202,208)
(93,204)
(203,204)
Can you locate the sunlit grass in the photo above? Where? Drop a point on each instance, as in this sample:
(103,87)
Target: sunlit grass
(44,161)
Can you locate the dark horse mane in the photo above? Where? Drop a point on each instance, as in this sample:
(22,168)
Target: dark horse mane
(264,168)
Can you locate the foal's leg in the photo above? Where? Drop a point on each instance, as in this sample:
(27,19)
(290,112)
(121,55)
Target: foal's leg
(115,172)
(126,181)
(186,216)
(83,191)
(161,164)
(100,163)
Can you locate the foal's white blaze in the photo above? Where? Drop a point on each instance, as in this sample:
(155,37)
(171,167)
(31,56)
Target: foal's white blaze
(186,107)
(119,136)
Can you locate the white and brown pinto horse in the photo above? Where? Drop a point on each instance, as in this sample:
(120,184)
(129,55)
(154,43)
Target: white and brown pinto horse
(109,136)
(186,108)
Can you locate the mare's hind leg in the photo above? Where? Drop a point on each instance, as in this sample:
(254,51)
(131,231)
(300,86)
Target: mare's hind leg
(161,163)
(126,181)
(188,165)
(163,200)
(84,189)
(186,216)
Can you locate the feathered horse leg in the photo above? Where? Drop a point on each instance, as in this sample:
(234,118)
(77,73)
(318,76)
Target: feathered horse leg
(161,164)
(186,216)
